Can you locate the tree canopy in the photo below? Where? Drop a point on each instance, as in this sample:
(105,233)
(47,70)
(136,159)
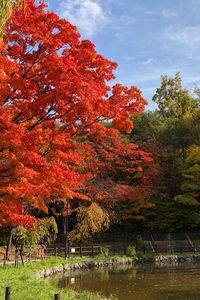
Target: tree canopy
(54,94)
(171,134)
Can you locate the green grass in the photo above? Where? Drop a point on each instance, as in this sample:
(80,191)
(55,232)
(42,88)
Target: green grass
(26,286)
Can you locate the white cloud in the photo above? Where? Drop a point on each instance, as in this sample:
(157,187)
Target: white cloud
(189,34)
(187,38)
(167,13)
(147,62)
(87,15)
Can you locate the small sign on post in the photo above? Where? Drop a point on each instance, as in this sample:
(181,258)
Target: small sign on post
(73,250)
(72,280)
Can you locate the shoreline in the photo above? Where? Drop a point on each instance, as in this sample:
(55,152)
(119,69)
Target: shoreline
(32,275)
(84,265)
(115,261)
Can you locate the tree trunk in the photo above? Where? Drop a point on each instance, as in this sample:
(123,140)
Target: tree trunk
(21,254)
(9,242)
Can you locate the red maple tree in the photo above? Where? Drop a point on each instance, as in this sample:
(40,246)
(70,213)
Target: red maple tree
(119,181)
(53,90)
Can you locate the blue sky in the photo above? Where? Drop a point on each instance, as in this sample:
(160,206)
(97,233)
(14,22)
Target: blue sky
(146,37)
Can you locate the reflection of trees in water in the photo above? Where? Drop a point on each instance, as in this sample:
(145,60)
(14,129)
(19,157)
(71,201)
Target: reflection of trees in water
(141,282)
(95,279)
(103,274)
(132,275)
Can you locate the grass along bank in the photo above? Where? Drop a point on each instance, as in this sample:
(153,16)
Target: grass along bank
(25,284)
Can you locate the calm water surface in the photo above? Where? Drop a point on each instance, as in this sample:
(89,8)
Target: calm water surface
(138,283)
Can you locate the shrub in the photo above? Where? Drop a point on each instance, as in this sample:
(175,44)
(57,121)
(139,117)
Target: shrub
(140,254)
(131,251)
(104,251)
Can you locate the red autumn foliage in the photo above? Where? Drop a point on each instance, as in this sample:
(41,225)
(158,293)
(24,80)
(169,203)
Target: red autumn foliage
(53,90)
(119,183)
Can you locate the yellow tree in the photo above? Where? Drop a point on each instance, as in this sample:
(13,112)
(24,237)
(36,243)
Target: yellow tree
(6,8)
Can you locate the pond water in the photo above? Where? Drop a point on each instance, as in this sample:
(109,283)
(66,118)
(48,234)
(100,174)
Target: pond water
(139,282)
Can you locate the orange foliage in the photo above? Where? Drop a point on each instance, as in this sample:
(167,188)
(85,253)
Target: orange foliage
(53,90)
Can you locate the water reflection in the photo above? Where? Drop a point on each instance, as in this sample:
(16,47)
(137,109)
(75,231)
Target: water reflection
(172,282)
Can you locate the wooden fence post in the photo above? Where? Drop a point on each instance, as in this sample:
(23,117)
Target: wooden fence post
(16,258)
(57,297)
(81,250)
(92,250)
(4,260)
(68,250)
(8,293)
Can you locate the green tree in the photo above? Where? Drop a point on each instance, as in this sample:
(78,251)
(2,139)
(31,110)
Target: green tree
(173,100)
(191,178)
(170,133)
(146,126)
(45,231)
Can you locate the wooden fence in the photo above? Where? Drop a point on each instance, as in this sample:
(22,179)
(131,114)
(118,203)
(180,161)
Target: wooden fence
(81,250)
(66,252)
(84,250)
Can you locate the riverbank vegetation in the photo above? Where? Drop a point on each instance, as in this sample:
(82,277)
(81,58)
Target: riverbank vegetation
(25,284)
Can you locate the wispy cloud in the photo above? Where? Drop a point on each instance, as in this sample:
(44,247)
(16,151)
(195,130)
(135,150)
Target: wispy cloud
(87,15)
(119,26)
(187,38)
(147,62)
(167,13)
(147,38)
(189,34)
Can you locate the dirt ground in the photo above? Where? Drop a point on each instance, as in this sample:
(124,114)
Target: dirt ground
(3,251)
